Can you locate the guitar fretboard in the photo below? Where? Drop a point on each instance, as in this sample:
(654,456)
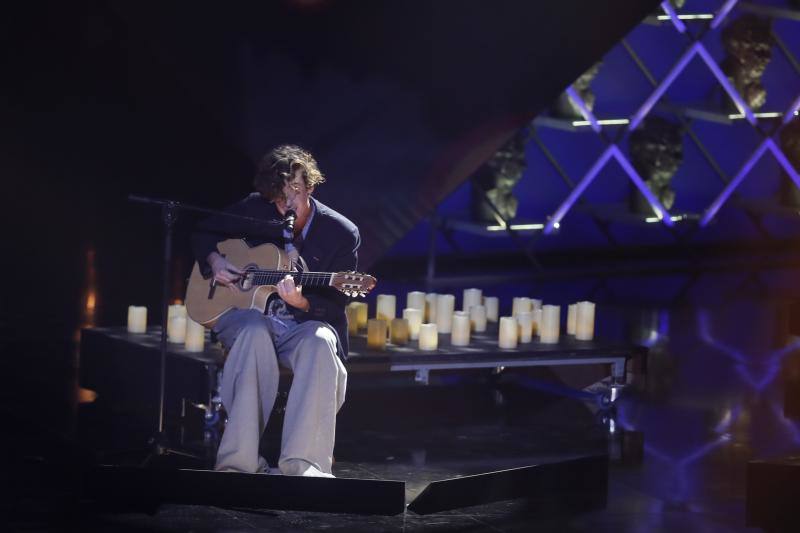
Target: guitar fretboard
(311,279)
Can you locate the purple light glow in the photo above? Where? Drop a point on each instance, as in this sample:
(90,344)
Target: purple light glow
(787,166)
(726,84)
(767,144)
(792,110)
(567,204)
(585,111)
(673,16)
(662,87)
(660,210)
(722,13)
(661,333)
(789,424)
(745,366)
(683,462)
(611,151)
(696,48)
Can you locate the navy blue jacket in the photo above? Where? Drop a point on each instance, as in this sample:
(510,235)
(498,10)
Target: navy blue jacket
(331,245)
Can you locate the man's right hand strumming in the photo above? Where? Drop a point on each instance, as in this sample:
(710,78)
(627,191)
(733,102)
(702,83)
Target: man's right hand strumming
(224,271)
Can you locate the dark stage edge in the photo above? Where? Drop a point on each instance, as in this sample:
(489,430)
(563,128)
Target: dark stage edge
(145,489)
(565,487)
(570,487)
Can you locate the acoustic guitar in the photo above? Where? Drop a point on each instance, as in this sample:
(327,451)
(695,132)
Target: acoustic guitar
(264,266)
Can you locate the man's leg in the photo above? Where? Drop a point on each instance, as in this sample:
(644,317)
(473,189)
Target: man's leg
(248,389)
(317,393)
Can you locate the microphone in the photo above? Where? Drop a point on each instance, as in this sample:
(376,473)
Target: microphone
(289,219)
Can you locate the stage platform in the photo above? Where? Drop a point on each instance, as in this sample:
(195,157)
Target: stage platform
(123,367)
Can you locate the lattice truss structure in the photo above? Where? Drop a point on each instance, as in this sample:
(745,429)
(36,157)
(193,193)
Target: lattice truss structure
(694,27)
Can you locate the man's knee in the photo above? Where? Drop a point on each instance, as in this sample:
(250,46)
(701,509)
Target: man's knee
(320,347)
(325,337)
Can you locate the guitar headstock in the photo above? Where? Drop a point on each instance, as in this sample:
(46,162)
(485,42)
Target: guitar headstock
(353,283)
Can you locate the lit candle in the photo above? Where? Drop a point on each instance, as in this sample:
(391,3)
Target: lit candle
(137,319)
(445,306)
(525,324)
(477,318)
(471,297)
(175,310)
(362,310)
(195,336)
(508,332)
(571,318)
(430,308)
(415,300)
(376,333)
(399,331)
(460,334)
(387,307)
(551,323)
(584,327)
(352,319)
(176,329)
(521,304)
(492,304)
(536,327)
(414,317)
(428,337)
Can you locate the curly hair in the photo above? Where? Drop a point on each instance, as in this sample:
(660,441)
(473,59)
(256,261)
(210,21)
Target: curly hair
(278,166)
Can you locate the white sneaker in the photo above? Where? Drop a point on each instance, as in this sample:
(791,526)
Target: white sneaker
(298,467)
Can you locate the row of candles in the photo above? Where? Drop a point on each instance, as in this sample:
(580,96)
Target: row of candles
(180,328)
(427,315)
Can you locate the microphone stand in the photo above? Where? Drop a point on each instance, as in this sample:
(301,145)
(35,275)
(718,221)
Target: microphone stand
(159,442)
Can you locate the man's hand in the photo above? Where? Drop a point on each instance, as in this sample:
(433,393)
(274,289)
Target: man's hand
(225,272)
(291,294)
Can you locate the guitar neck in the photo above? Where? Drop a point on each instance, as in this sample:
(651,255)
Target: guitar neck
(309,279)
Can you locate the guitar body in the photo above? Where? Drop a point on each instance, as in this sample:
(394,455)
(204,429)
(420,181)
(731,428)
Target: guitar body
(206,302)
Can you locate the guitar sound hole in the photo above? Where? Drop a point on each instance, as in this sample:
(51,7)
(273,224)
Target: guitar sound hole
(246,281)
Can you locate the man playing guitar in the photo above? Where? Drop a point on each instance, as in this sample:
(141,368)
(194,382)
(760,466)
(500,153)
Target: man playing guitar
(304,329)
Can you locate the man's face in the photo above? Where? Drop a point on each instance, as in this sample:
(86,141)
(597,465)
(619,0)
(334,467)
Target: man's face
(296,195)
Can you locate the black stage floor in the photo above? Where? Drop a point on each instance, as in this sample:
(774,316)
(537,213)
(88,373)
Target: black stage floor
(717,396)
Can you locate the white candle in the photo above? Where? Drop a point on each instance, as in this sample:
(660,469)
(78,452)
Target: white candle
(492,304)
(551,323)
(415,300)
(428,337)
(445,306)
(376,333)
(525,324)
(176,329)
(430,308)
(535,304)
(387,307)
(195,336)
(584,327)
(471,297)
(175,310)
(477,318)
(414,317)
(537,321)
(137,319)
(360,312)
(521,304)
(571,318)
(460,334)
(508,332)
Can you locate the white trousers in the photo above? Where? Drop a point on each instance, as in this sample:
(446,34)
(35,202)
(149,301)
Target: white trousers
(250,384)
